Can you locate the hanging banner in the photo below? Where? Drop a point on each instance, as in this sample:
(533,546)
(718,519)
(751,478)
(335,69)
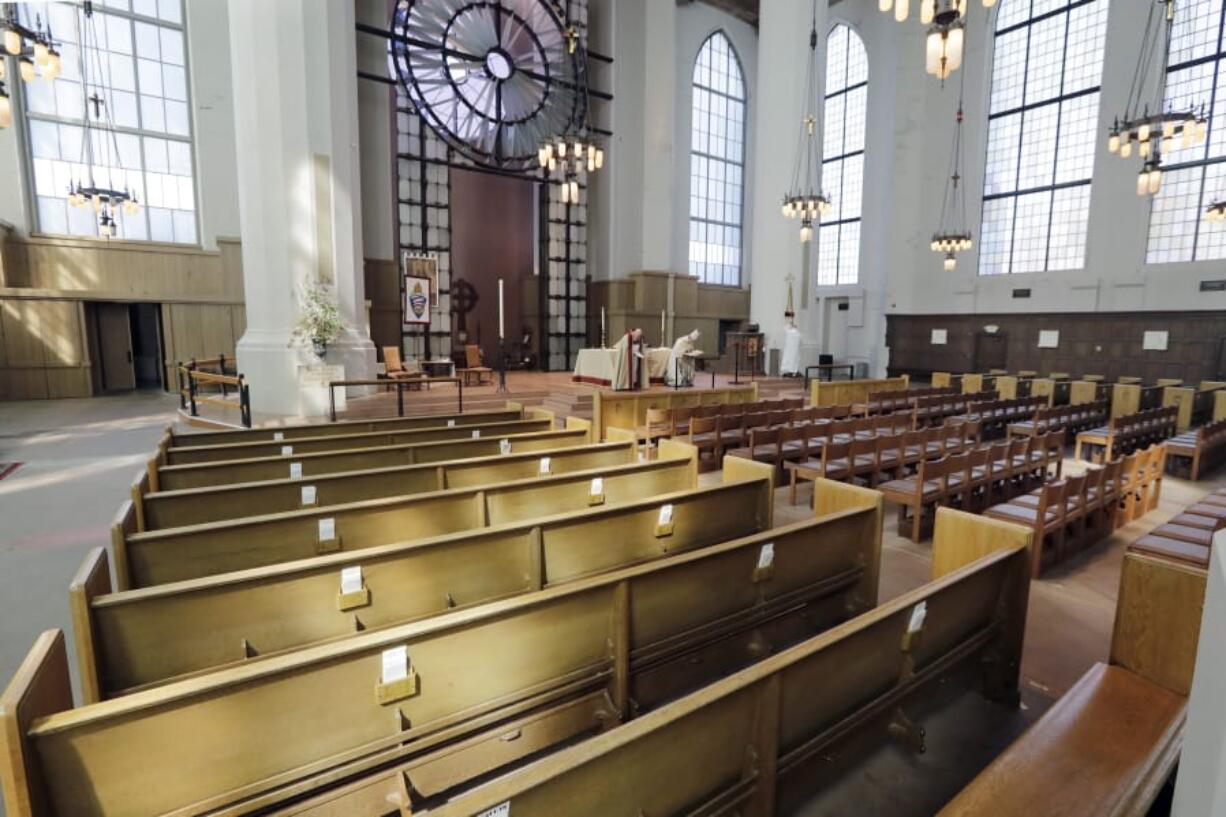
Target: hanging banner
(420,288)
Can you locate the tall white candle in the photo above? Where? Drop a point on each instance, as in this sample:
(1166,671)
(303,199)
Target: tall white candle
(663,340)
(501,327)
(602,324)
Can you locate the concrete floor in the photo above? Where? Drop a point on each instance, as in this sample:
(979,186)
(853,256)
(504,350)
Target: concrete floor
(79,458)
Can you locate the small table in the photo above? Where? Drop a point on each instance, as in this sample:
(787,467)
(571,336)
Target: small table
(829,369)
(437,368)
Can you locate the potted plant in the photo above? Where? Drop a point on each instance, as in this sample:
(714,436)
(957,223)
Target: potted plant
(319,321)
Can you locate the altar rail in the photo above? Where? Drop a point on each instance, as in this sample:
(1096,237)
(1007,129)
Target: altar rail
(628,409)
(846,392)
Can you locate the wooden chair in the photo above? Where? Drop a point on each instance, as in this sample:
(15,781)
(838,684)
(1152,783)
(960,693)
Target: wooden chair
(396,370)
(1048,519)
(658,425)
(918,493)
(474,371)
(703,435)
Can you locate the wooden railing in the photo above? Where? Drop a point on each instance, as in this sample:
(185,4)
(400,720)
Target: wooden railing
(197,385)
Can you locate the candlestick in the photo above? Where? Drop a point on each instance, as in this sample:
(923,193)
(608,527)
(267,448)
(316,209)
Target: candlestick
(663,340)
(501,328)
(602,335)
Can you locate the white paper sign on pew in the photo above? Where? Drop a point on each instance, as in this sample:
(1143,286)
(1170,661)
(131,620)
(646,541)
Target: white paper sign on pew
(500,810)
(664,522)
(287,451)
(295,470)
(545,466)
(595,494)
(308,495)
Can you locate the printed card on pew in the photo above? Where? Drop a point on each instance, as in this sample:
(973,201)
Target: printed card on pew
(397,680)
(451,423)
(354,593)
(504,446)
(277,436)
(595,495)
(915,625)
(765,567)
(308,495)
(476,433)
(328,540)
(545,469)
(287,451)
(500,810)
(295,470)
(664,522)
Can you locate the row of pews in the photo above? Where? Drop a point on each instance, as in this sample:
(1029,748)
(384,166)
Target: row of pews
(498,617)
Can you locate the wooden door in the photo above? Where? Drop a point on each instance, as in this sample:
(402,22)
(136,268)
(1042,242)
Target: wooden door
(991,351)
(115,347)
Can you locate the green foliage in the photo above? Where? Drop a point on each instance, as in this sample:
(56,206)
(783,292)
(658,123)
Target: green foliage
(319,320)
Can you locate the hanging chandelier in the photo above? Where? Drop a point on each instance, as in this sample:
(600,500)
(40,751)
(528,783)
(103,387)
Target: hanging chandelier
(107,200)
(953,235)
(1148,127)
(36,53)
(576,151)
(945,39)
(804,199)
(1215,213)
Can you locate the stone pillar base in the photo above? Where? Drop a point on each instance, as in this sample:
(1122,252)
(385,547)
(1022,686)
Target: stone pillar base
(272,365)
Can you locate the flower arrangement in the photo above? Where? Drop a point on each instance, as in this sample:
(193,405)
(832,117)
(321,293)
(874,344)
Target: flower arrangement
(319,321)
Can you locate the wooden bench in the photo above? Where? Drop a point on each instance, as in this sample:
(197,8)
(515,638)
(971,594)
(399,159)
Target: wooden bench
(1203,448)
(1127,433)
(1110,743)
(1069,419)
(442,702)
(147,558)
(129,639)
(258,469)
(196,506)
(994,416)
(761,742)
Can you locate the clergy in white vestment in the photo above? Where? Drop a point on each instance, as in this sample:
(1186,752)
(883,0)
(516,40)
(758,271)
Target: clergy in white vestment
(681,359)
(630,366)
(789,365)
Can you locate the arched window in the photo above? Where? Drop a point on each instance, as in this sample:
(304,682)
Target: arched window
(1193,177)
(717,164)
(1047,70)
(846,111)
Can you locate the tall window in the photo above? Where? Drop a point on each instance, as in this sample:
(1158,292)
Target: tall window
(139,62)
(846,106)
(1042,130)
(1194,177)
(717,164)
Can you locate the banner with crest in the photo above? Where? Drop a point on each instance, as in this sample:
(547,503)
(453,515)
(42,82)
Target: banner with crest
(420,282)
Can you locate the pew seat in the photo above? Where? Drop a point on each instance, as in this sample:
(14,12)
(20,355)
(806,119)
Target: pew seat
(1177,550)
(1105,748)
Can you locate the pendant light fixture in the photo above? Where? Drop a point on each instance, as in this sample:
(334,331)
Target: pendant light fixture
(34,50)
(99,132)
(575,151)
(953,235)
(945,39)
(1216,212)
(1147,127)
(804,199)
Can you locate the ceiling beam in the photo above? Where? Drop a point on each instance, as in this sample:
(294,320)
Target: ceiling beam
(746,10)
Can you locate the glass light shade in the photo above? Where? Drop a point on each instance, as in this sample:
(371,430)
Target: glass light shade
(932,53)
(1143,132)
(553,164)
(1154,181)
(1142,183)
(1113,144)
(953,48)
(1125,148)
(885,5)
(41,53)
(4,69)
(591,162)
(561,150)
(1189,133)
(12,42)
(951,263)
(901,9)
(1202,129)
(542,156)
(6,112)
(927,11)
(1145,148)
(130,207)
(987,4)
(599,159)
(27,70)
(52,69)
(935,246)
(1168,128)
(806,234)
(97,203)
(574,192)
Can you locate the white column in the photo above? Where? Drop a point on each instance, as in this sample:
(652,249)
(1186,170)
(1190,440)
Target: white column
(659,149)
(295,106)
(783,54)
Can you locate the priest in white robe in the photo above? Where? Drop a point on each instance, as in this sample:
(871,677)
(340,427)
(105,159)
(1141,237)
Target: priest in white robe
(681,360)
(630,365)
(789,365)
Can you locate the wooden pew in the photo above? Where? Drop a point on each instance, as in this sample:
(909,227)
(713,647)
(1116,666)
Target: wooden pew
(177,477)
(458,696)
(197,506)
(127,640)
(761,742)
(175,554)
(302,431)
(628,409)
(846,392)
(188,455)
(1110,743)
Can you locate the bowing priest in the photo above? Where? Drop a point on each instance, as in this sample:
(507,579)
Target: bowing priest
(630,365)
(681,359)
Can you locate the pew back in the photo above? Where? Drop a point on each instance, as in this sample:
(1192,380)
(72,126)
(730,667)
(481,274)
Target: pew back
(842,392)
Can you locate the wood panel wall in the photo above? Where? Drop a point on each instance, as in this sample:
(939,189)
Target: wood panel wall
(638,299)
(46,281)
(1092,343)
